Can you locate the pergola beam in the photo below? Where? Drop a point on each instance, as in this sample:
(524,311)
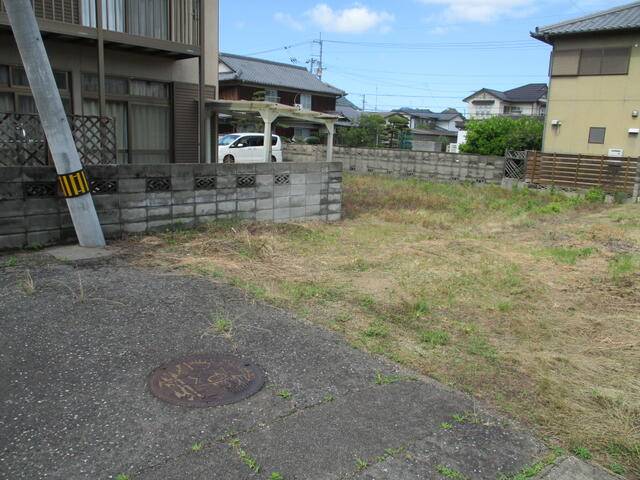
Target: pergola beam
(270,111)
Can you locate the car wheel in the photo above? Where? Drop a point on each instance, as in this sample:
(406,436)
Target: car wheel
(273,158)
(229,159)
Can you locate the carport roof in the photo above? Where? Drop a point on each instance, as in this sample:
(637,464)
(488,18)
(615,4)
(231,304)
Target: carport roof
(278,109)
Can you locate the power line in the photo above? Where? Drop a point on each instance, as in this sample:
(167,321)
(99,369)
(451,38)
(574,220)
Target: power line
(286,47)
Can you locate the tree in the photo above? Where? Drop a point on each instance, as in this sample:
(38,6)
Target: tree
(495,135)
(366,134)
(396,130)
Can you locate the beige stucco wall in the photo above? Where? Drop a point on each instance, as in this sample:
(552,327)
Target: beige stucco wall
(595,101)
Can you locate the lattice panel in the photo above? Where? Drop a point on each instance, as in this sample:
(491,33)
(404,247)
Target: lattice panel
(159,184)
(95,139)
(40,189)
(246,181)
(103,187)
(282,179)
(22,140)
(205,183)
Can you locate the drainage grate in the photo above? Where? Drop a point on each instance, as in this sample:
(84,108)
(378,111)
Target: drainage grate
(282,179)
(205,183)
(159,184)
(245,181)
(206,381)
(40,189)
(103,187)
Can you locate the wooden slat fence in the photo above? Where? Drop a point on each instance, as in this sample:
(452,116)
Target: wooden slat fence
(582,171)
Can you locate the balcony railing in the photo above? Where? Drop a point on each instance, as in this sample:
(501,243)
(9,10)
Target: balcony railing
(170,20)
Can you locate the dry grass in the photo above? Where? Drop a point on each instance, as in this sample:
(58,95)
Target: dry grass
(526,300)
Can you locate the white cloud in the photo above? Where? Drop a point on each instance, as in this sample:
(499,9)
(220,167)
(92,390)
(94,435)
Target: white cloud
(356,19)
(482,11)
(288,20)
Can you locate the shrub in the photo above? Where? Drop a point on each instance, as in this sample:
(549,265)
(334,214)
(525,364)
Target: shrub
(495,135)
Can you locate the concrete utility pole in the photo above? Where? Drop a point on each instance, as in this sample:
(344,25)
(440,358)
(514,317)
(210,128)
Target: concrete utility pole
(71,176)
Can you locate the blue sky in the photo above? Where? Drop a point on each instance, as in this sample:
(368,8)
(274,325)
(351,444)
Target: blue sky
(449,48)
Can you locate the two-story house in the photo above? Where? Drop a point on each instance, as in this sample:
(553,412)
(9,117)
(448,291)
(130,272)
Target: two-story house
(527,100)
(248,78)
(147,65)
(432,131)
(594,92)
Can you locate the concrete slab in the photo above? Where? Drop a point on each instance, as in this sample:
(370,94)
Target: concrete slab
(76,253)
(572,468)
(76,353)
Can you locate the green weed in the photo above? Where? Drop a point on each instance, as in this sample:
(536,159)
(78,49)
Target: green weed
(450,473)
(434,337)
(286,394)
(568,255)
(376,330)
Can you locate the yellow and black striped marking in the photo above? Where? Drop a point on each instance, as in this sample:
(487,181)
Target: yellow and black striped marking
(74,184)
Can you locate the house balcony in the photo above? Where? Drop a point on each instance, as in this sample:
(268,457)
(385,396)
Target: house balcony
(168,28)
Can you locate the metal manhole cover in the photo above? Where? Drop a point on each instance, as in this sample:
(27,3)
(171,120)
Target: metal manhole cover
(205,381)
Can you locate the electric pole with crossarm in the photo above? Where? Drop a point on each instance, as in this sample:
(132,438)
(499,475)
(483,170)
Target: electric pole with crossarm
(71,175)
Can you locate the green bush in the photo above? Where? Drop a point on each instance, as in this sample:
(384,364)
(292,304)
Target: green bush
(595,195)
(495,135)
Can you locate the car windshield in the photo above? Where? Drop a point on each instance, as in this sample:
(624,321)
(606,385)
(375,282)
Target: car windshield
(228,139)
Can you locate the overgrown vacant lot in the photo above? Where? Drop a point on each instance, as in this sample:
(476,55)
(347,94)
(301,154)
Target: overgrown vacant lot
(529,301)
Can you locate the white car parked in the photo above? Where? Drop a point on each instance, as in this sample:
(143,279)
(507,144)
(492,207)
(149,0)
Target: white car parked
(247,148)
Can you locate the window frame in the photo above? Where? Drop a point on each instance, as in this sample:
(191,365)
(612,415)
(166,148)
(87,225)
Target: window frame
(604,135)
(131,101)
(25,90)
(582,61)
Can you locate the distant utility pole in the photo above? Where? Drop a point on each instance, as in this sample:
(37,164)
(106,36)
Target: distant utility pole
(364,102)
(317,59)
(71,176)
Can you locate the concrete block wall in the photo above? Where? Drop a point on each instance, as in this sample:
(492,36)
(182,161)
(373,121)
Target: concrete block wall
(142,198)
(437,167)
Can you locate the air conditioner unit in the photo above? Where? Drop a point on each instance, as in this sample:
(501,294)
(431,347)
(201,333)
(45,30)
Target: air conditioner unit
(616,152)
(299,106)
(556,123)
(634,131)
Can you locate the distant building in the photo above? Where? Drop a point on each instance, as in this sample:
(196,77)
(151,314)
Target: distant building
(594,97)
(248,78)
(527,100)
(432,131)
(348,110)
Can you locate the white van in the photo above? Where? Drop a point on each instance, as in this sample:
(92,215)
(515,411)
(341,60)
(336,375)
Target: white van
(247,148)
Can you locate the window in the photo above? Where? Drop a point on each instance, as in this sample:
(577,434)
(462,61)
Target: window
(144,88)
(16,93)
(142,116)
(592,61)
(597,134)
(150,134)
(4,75)
(149,18)
(113,17)
(6,102)
(565,62)
(271,95)
(305,101)
(512,110)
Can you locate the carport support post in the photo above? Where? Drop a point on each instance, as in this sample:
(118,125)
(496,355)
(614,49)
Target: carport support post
(71,176)
(331,129)
(268,116)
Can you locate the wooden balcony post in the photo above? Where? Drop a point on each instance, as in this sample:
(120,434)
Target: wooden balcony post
(201,93)
(101,82)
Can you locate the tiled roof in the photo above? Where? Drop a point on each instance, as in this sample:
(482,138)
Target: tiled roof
(256,71)
(624,17)
(531,92)
(446,115)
